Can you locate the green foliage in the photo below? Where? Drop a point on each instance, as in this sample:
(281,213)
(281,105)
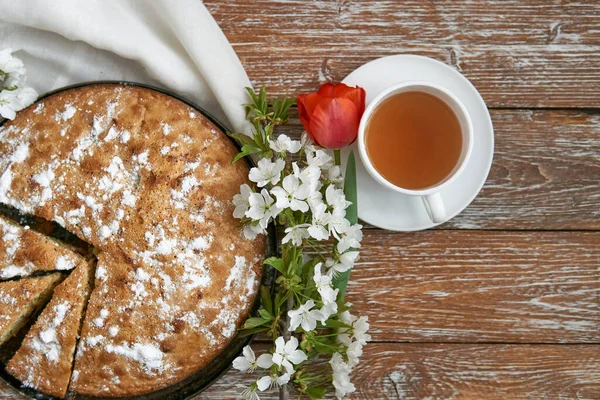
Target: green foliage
(295,284)
(264,115)
(341,280)
(315,392)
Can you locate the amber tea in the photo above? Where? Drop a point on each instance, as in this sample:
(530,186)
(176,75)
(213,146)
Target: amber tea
(414,140)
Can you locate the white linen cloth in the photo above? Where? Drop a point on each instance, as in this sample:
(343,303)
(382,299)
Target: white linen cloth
(174,44)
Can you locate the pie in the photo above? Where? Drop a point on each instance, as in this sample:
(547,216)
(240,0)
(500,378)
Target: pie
(20,299)
(45,358)
(147,181)
(24,251)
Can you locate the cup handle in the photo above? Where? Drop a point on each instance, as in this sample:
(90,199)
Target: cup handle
(435,207)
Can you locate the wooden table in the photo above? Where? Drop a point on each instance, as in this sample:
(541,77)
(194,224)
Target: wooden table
(502,302)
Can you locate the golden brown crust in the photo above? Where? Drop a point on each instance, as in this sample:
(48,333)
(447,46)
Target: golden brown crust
(20,299)
(148,182)
(45,358)
(23,251)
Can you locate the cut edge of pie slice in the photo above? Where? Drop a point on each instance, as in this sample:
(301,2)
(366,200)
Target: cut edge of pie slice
(44,361)
(24,251)
(20,299)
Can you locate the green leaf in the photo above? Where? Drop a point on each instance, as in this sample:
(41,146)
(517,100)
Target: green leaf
(292,267)
(281,298)
(252,95)
(254,322)
(331,323)
(341,280)
(242,138)
(248,332)
(247,149)
(265,314)
(276,263)
(262,98)
(324,349)
(265,297)
(316,392)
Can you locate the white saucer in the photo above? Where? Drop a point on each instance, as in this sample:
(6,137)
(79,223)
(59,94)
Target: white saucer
(394,211)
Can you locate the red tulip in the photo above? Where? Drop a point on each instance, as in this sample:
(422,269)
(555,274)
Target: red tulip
(331,116)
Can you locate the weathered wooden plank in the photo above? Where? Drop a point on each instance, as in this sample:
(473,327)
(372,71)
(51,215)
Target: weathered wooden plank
(545,175)
(459,22)
(447,371)
(518,54)
(441,371)
(479,286)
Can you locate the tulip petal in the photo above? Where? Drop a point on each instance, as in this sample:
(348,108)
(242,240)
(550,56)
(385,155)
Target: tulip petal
(306,106)
(309,102)
(355,94)
(326,90)
(334,123)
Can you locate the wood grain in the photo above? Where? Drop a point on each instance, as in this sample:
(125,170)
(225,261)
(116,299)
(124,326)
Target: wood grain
(479,286)
(518,54)
(521,264)
(545,174)
(451,371)
(443,371)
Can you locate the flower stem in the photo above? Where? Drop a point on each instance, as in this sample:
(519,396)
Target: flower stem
(284,390)
(337,156)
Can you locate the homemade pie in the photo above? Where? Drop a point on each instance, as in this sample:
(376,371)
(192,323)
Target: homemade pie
(45,358)
(20,299)
(148,182)
(23,251)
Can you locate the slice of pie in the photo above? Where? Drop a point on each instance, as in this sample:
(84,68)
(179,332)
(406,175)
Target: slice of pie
(23,251)
(45,358)
(20,299)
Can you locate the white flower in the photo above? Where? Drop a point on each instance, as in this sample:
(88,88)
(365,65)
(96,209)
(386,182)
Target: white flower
(323,284)
(354,351)
(341,376)
(284,143)
(296,234)
(314,199)
(308,143)
(249,393)
(248,361)
(288,353)
(262,208)
(334,175)
(241,201)
(329,309)
(349,319)
(305,316)
(338,224)
(359,330)
(251,231)
(267,172)
(319,159)
(346,317)
(268,381)
(12,101)
(351,238)
(12,68)
(345,263)
(336,199)
(344,337)
(292,194)
(309,176)
(320,219)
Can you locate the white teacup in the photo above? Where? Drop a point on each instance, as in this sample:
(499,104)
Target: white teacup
(431,195)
